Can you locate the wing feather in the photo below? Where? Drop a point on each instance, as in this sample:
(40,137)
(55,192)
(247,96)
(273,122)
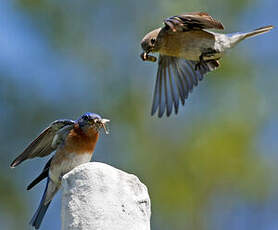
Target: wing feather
(176,77)
(43,175)
(42,145)
(192,21)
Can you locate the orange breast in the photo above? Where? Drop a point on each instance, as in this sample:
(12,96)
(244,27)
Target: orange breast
(80,142)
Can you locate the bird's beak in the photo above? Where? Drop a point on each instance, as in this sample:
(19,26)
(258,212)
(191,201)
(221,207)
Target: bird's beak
(102,122)
(146,57)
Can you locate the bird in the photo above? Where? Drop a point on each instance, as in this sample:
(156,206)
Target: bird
(187,51)
(74,143)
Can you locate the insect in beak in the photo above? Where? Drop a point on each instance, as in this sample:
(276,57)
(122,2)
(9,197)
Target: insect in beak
(102,124)
(146,57)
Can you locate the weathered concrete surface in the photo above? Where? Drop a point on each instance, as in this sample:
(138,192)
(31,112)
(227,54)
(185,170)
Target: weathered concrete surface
(97,196)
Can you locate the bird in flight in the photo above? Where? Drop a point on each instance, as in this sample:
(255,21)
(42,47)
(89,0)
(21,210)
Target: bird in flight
(74,143)
(187,51)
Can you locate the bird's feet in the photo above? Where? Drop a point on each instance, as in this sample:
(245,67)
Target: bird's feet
(200,63)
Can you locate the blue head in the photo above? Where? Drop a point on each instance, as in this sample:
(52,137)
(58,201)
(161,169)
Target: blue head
(88,120)
(89,116)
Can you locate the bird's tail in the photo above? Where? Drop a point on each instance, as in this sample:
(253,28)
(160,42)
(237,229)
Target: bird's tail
(39,214)
(237,37)
(258,31)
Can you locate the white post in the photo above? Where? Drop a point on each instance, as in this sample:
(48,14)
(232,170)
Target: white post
(97,196)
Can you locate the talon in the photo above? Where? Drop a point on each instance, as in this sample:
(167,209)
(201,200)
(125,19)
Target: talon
(200,63)
(198,66)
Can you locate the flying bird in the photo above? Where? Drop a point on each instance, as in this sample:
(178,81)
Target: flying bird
(187,51)
(74,143)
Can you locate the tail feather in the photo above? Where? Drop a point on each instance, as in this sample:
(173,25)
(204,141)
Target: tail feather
(39,214)
(237,37)
(258,31)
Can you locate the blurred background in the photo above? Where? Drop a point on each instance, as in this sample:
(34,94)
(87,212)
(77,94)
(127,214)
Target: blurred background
(213,166)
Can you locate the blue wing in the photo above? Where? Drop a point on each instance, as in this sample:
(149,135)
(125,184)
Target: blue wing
(43,175)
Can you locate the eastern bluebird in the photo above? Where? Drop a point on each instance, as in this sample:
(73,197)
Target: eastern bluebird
(74,143)
(187,51)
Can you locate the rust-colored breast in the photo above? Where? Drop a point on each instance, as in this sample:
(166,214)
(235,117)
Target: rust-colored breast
(80,142)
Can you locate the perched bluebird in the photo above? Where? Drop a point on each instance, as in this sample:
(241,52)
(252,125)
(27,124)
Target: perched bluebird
(74,143)
(187,51)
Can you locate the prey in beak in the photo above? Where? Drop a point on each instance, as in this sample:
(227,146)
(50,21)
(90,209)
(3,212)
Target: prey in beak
(101,123)
(149,44)
(146,57)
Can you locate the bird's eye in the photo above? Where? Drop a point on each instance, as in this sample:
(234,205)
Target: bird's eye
(86,118)
(153,41)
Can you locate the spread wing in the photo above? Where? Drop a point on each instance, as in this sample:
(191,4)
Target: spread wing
(42,145)
(176,78)
(192,21)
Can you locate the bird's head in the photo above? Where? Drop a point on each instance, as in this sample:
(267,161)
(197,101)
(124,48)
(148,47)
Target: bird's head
(150,43)
(92,121)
